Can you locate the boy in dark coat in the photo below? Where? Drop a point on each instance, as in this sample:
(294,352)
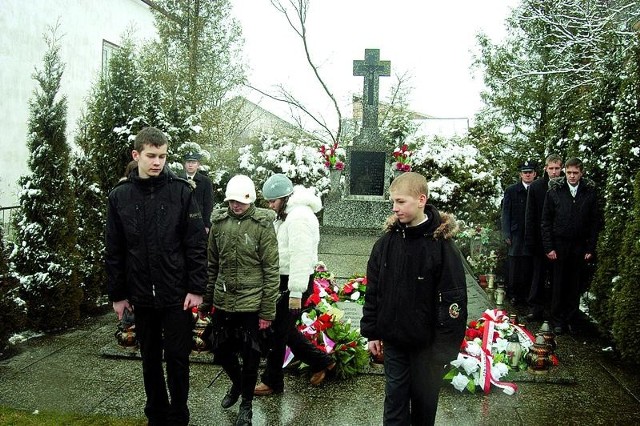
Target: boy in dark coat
(416,302)
(156,265)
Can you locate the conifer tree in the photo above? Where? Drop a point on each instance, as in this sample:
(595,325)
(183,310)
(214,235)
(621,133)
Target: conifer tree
(626,304)
(623,158)
(45,252)
(11,306)
(90,208)
(114,116)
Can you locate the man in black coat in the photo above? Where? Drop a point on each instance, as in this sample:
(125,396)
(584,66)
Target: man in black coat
(203,191)
(156,266)
(533,238)
(514,206)
(570,223)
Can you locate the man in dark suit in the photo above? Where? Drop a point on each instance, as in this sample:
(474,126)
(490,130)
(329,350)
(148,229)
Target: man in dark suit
(570,224)
(203,189)
(514,206)
(541,271)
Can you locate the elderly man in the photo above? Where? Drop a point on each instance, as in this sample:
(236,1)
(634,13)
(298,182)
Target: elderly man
(514,206)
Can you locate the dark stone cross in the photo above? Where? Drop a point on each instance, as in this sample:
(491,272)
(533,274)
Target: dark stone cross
(372,68)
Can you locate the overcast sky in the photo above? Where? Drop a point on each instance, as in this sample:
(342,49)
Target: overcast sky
(431,40)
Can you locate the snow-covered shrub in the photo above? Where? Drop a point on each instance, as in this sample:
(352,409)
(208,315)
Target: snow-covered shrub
(461,180)
(299,159)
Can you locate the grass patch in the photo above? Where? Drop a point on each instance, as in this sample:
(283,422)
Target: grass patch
(10,416)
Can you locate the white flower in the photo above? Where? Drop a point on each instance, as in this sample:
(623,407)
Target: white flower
(504,325)
(501,344)
(498,370)
(473,348)
(470,365)
(306,320)
(460,382)
(355,295)
(467,363)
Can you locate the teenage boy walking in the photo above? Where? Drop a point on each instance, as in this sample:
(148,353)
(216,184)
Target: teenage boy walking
(416,302)
(156,266)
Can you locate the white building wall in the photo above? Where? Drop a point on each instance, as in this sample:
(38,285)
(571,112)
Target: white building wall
(83,25)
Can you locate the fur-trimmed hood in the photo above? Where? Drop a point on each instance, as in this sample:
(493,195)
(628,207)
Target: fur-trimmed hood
(441,225)
(302,196)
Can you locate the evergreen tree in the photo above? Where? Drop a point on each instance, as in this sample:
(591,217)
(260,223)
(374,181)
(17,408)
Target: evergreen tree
(114,115)
(552,82)
(45,254)
(626,304)
(89,207)
(623,159)
(200,46)
(11,306)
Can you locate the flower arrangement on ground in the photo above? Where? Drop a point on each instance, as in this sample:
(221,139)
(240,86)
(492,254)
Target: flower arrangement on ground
(483,359)
(333,156)
(402,158)
(322,323)
(354,289)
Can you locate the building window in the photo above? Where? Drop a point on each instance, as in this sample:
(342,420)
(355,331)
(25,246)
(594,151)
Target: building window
(108,49)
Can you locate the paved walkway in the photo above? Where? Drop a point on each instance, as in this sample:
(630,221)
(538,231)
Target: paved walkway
(67,372)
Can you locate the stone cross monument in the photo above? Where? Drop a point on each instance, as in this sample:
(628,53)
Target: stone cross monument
(372,68)
(367,158)
(364,204)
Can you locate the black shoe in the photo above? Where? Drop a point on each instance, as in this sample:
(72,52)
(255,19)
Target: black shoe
(557,330)
(230,399)
(244,414)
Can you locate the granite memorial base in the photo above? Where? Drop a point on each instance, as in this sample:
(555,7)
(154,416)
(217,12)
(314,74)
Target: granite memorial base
(361,214)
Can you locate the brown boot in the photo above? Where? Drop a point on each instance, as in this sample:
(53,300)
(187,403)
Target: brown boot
(318,377)
(262,389)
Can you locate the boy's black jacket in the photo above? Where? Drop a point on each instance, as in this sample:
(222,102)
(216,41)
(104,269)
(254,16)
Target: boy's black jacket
(416,288)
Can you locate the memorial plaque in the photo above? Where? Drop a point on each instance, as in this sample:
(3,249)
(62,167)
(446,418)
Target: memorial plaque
(352,311)
(367,173)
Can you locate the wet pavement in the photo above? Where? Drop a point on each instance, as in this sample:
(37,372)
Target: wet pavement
(68,372)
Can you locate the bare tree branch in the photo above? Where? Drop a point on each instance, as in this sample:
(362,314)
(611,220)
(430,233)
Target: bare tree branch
(298,24)
(289,99)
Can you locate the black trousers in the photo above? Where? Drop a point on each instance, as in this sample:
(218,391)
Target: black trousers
(238,338)
(168,330)
(538,296)
(567,274)
(286,333)
(519,283)
(413,382)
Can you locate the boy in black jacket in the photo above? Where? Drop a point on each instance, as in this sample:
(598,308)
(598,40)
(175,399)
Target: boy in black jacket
(156,266)
(416,302)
